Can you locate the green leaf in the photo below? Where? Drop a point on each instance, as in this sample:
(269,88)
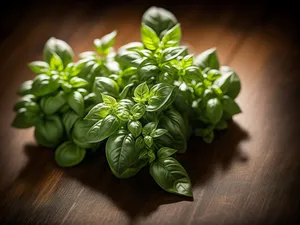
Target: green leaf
(76,102)
(148,141)
(151,155)
(51,104)
(125,91)
(43,85)
(159,96)
(107,86)
(79,131)
(141,92)
(171,176)
(149,128)
(104,44)
(83,91)
(209,138)
(25,101)
(129,71)
(68,154)
(121,153)
(222,125)
(67,88)
(132,46)
(207,58)
(148,70)
(49,132)
(193,73)
(139,144)
(172,53)
(172,37)
(158,133)
(99,111)
(223,82)
(230,106)
(235,84)
(56,62)
(138,111)
(24,118)
(165,152)
(129,58)
(159,19)
(59,47)
(103,129)
(108,100)
(77,82)
(25,88)
(149,37)
(135,127)
(69,118)
(213,75)
(214,110)
(187,61)
(39,67)
(123,110)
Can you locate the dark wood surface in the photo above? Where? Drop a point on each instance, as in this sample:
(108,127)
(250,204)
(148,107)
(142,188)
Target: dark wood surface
(249,175)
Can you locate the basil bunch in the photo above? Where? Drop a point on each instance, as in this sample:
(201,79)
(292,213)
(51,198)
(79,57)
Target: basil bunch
(142,101)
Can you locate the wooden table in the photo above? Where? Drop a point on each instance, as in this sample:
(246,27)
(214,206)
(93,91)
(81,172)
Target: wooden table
(249,175)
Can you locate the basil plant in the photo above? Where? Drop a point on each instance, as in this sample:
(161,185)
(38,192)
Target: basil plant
(142,101)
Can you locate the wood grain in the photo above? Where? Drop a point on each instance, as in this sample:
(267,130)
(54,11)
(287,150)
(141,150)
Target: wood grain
(248,175)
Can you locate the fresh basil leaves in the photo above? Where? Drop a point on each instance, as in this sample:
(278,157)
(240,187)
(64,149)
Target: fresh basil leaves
(142,101)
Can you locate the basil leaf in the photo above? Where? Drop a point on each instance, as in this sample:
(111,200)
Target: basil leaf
(77,82)
(59,47)
(165,152)
(24,118)
(103,129)
(172,53)
(138,111)
(151,155)
(51,104)
(235,84)
(69,118)
(222,125)
(149,128)
(132,46)
(158,133)
(43,85)
(99,111)
(187,61)
(108,100)
(129,71)
(147,69)
(171,176)
(214,110)
(172,37)
(25,101)
(107,86)
(213,75)
(125,91)
(141,92)
(148,141)
(135,127)
(193,73)
(223,82)
(160,94)
(104,44)
(68,154)
(25,88)
(56,62)
(76,102)
(129,58)
(121,152)
(159,19)
(49,132)
(207,58)
(230,106)
(209,138)
(79,131)
(123,110)
(149,37)
(39,67)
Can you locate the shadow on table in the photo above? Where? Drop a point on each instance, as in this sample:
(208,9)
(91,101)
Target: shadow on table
(140,195)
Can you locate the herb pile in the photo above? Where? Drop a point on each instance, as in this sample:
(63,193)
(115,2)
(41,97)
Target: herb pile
(142,101)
